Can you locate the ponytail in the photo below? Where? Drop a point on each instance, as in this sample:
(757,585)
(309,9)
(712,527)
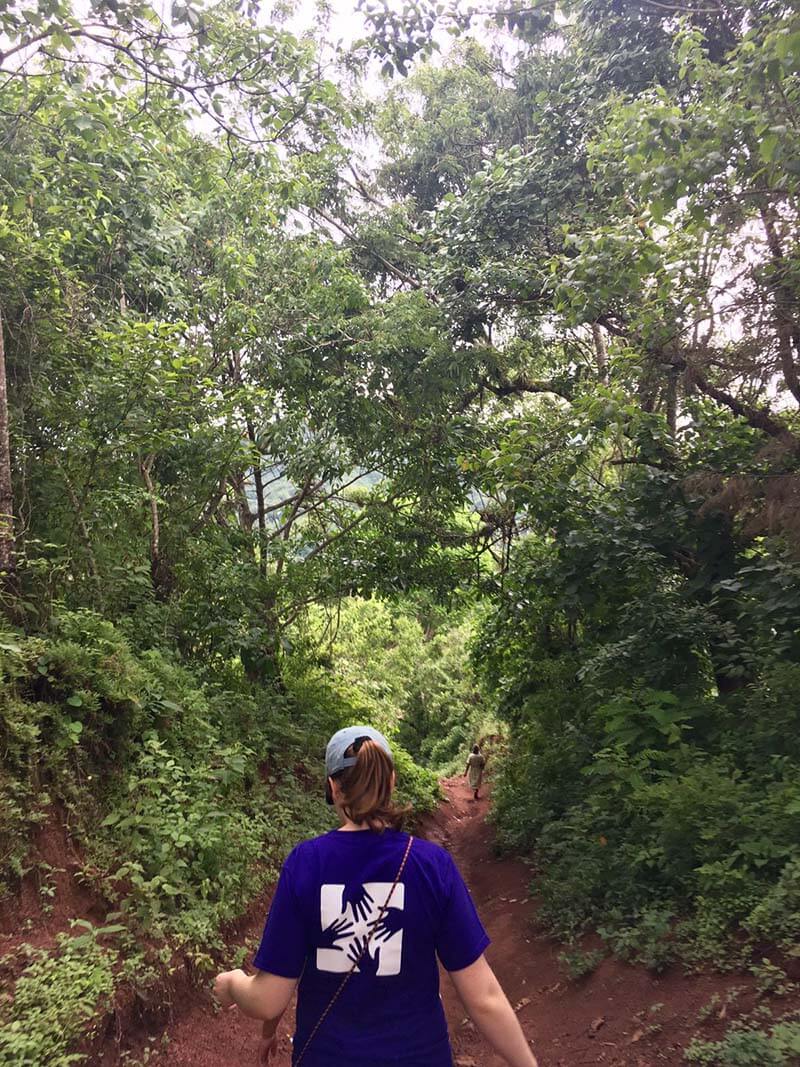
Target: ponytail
(367,787)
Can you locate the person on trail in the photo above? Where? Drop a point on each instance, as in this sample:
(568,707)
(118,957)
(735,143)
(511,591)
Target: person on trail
(359,918)
(476,761)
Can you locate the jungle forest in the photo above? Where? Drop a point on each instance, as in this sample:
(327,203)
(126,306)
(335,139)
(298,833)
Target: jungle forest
(433,366)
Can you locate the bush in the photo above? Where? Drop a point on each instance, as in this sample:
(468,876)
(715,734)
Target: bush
(416,785)
(750,1047)
(57,999)
(625,833)
(578,963)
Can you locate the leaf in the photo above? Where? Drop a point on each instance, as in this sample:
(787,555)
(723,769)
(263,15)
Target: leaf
(75,701)
(115,928)
(767,146)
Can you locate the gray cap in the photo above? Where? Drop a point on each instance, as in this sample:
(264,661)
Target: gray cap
(335,759)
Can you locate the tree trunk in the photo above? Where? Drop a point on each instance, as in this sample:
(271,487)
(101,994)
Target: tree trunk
(601,352)
(158,572)
(672,402)
(259,480)
(786,327)
(8,556)
(83,530)
(236,481)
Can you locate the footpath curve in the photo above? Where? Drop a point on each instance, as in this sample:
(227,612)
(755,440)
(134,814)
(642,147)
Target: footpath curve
(620,1016)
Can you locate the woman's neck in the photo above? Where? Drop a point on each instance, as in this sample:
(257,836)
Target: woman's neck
(348,826)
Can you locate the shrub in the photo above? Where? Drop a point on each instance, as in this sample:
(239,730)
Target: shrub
(56,999)
(416,785)
(750,1047)
(577,963)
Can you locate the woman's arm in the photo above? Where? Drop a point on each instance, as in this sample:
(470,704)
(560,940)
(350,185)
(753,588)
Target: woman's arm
(488,1007)
(260,996)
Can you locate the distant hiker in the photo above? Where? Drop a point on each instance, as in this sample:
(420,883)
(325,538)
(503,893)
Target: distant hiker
(476,761)
(359,917)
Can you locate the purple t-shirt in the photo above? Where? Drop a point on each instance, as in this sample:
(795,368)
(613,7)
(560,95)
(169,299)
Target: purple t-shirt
(331,888)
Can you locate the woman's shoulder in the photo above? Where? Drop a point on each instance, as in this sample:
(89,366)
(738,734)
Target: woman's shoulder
(309,846)
(433,857)
(430,849)
(304,853)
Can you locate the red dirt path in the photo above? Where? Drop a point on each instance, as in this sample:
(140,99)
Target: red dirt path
(620,1016)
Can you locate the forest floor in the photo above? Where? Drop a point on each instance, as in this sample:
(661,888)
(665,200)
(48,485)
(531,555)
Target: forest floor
(619,1016)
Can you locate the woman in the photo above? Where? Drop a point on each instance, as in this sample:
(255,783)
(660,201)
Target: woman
(475,764)
(359,918)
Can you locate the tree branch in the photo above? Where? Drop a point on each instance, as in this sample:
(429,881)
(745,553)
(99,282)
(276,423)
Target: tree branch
(755,417)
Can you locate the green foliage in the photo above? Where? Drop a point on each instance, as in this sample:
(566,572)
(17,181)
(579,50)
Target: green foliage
(416,786)
(190,837)
(776,916)
(578,963)
(652,813)
(188,824)
(551,363)
(645,940)
(748,1046)
(57,1000)
(404,666)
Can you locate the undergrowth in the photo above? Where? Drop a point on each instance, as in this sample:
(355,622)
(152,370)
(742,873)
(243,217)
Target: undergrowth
(747,1045)
(673,851)
(57,1001)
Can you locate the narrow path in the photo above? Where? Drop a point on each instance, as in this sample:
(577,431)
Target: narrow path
(620,1016)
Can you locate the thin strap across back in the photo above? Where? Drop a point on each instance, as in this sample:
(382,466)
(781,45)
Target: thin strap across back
(359,957)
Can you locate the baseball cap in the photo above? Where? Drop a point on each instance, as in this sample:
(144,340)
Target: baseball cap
(335,759)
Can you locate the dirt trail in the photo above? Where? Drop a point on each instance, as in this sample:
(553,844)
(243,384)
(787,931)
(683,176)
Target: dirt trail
(620,1016)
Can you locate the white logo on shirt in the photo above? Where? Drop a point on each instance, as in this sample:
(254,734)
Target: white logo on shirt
(348,918)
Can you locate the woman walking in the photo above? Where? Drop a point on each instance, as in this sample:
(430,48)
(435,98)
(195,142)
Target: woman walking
(359,917)
(476,761)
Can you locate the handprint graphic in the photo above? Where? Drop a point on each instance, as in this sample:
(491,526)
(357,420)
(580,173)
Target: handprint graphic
(388,925)
(354,914)
(359,953)
(339,929)
(359,899)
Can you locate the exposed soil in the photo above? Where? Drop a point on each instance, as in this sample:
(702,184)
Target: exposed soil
(51,893)
(620,1016)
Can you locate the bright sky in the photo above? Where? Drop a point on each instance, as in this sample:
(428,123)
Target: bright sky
(346,22)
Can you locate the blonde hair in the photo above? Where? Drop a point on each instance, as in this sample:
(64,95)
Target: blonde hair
(366,787)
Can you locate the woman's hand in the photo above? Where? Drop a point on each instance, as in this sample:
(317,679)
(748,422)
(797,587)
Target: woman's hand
(268,1045)
(222,988)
